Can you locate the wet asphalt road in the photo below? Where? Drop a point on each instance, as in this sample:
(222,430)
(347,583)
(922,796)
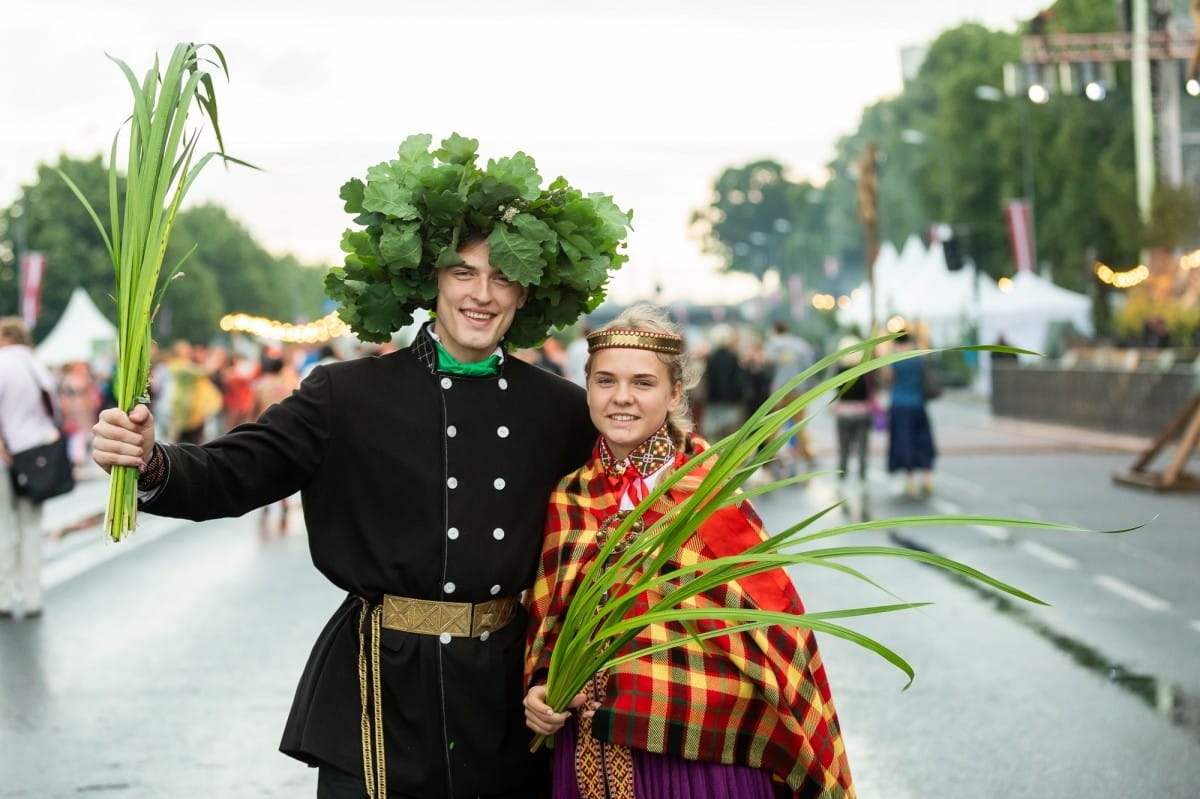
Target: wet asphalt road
(164,666)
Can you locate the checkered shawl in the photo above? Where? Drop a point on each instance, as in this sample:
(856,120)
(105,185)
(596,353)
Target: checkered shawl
(756,698)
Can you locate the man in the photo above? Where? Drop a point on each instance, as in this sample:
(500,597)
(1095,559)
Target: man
(425,476)
(725,384)
(790,355)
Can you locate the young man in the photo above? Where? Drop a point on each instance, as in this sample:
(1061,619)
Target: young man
(425,476)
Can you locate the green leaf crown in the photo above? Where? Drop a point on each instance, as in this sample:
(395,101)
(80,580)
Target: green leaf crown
(415,211)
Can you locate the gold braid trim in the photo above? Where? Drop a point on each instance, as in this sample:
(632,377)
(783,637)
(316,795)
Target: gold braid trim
(636,340)
(374,763)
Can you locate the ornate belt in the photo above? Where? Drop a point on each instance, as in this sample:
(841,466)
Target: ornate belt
(459,619)
(425,617)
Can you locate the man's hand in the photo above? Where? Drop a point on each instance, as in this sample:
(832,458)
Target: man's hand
(123,439)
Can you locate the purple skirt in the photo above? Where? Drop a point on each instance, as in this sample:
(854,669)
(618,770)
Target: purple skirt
(663,776)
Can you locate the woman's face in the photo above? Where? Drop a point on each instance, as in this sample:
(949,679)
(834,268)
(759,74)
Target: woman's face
(630,393)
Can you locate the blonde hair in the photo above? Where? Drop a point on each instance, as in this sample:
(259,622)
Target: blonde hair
(13,328)
(680,368)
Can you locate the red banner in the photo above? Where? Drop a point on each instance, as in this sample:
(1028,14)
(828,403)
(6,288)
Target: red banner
(33,265)
(1020,234)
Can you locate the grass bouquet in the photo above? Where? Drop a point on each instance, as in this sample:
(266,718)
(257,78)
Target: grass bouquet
(160,171)
(598,626)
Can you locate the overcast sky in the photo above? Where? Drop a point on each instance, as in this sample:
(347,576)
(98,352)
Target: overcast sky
(646,100)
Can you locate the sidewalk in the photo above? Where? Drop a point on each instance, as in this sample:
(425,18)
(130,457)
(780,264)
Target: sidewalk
(963,423)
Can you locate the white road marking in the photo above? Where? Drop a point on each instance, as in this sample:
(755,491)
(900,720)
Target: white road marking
(998,533)
(1028,511)
(1132,593)
(945,506)
(1048,555)
(960,484)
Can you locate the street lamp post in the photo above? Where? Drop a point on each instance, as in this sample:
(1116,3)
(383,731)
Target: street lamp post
(1028,179)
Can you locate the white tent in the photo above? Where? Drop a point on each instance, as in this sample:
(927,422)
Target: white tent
(81,334)
(916,284)
(1024,314)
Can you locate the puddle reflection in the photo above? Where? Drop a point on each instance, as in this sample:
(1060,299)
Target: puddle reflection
(1165,698)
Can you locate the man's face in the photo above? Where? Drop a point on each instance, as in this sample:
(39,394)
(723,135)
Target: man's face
(475,305)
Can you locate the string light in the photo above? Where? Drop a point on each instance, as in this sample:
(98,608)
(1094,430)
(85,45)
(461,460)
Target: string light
(318,332)
(1122,280)
(824,302)
(1190,261)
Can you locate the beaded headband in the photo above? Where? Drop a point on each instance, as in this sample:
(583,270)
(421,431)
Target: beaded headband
(635,340)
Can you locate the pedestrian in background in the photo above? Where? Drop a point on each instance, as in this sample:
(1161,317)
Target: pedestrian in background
(577,356)
(24,423)
(725,384)
(80,398)
(852,412)
(791,355)
(276,381)
(911,449)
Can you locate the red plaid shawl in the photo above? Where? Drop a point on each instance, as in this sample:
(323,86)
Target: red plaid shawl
(759,699)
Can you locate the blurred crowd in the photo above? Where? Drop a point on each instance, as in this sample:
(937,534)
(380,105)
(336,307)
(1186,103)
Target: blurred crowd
(743,365)
(197,391)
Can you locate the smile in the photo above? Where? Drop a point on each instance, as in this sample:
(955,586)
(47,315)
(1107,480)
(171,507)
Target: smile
(479,316)
(623,417)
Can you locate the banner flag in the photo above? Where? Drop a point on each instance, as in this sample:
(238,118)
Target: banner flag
(33,265)
(1020,234)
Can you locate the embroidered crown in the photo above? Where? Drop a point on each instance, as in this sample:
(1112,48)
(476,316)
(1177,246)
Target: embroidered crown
(635,339)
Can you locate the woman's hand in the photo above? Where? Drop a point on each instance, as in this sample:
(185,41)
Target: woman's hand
(123,439)
(542,719)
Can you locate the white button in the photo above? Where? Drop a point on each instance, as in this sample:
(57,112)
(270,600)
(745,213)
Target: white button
(502,431)
(495,590)
(444,638)
(499,484)
(483,636)
(447,382)
(452,482)
(448,588)
(452,533)
(452,431)
(503,384)
(498,534)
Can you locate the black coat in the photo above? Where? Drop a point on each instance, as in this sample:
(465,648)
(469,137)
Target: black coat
(415,484)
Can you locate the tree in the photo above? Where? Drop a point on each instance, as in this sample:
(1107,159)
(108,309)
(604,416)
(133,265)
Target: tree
(226,271)
(47,218)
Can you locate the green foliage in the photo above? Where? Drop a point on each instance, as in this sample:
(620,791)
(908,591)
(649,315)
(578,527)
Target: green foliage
(228,272)
(48,219)
(948,154)
(416,211)
(1174,217)
(161,170)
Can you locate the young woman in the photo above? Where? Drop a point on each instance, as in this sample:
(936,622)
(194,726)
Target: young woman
(747,715)
(911,447)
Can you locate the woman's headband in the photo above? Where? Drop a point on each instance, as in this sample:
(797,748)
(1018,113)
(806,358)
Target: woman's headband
(635,339)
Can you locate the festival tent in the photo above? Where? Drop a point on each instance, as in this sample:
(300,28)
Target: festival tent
(857,314)
(81,334)
(1024,314)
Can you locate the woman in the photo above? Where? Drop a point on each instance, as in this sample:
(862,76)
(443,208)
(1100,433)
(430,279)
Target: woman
(24,423)
(852,410)
(910,437)
(744,715)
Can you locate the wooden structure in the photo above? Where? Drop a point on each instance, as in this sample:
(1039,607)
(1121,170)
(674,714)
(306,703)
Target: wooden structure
(1185,427)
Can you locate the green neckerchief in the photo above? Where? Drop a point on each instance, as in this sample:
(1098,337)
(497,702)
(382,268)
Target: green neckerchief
(485,368)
